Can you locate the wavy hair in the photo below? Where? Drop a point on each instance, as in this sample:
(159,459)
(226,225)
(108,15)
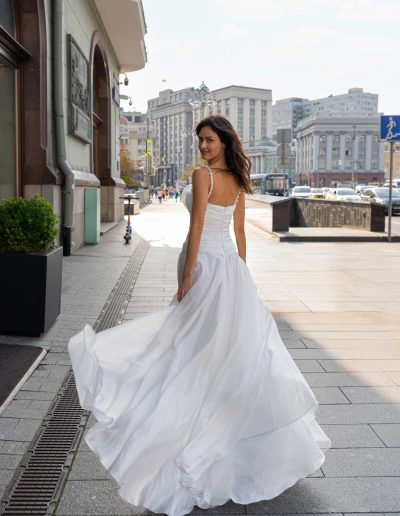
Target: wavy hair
(237,161)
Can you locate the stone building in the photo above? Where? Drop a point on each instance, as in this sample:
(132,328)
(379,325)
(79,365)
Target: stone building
(339,151)
(287,113)
(170,115)
(248,109)
(60,62)
(396,160)
(138,136)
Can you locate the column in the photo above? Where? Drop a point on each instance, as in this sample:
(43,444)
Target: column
(329,142)
(315,154)
(368,151)
(342,150)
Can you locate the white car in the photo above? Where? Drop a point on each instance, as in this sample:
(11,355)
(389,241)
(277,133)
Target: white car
(343,194)
(301,192)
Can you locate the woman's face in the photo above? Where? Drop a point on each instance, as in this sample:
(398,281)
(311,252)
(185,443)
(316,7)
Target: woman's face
(210,145)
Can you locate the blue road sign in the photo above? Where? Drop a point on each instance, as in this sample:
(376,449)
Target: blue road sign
(390,128)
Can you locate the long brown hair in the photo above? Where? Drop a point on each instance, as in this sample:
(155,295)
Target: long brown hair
(237,161)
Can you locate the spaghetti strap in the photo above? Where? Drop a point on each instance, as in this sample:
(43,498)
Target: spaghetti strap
(211,180)
(238,195)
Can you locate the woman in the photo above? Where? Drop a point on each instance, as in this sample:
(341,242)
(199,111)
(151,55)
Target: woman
(201,402)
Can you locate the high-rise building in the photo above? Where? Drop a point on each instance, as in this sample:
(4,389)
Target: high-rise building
(287,113)
(175,116)
(248,109)
(171,115)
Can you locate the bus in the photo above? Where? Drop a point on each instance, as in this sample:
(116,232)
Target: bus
(271,184)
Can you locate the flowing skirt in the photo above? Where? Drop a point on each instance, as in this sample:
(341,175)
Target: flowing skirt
(200,402)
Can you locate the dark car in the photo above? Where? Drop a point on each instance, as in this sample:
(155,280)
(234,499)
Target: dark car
(380,195)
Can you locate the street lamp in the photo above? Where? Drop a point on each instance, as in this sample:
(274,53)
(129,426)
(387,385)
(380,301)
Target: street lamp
(199,99)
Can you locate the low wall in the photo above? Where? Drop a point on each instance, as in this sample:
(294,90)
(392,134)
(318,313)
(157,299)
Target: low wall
(278,214)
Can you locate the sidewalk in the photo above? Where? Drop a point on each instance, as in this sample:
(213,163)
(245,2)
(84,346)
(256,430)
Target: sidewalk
(338,309)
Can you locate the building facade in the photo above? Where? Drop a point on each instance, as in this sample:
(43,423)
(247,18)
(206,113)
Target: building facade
(339,151)
(170,115)
(137,135)
(59,79)
(248,109)
(287,113)
(396,160)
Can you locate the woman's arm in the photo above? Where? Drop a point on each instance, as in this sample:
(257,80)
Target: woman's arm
(238,226)
(200,186)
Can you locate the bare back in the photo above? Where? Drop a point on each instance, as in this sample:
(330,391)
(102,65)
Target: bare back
(224,190)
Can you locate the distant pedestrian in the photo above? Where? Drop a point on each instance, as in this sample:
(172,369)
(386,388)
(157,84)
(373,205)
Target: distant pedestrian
(176,195)
(160,196)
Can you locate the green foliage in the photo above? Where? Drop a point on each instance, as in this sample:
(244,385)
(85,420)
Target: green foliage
(27,225)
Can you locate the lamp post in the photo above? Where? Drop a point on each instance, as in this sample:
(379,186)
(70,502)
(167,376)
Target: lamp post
(200,98)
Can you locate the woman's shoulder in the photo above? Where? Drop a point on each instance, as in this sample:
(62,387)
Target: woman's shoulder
(202,170)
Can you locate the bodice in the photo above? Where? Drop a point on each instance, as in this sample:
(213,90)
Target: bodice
(216,236)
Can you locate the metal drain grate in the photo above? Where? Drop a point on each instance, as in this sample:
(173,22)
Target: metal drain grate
(36,486)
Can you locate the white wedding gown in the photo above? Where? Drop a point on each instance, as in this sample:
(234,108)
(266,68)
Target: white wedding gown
(200,402)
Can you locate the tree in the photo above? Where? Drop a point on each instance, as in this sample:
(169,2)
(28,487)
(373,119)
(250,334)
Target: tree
(127,168)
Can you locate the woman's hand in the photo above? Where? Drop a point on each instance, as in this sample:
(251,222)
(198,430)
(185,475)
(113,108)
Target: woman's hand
(185,286)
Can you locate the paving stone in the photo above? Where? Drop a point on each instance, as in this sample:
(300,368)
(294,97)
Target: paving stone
(334,495)
(309,366)
(348,379)
(6,425)
(372,394)
(329,395)
(87,466)
(52,371)
(34,395)
(358,462)
(14,447)
(359,413)
(360,365)
(94,497)
(395,376)
(5,476)
(370,514)
(389,433)
(352,436)
(9,461)
(24,430)
(27,409)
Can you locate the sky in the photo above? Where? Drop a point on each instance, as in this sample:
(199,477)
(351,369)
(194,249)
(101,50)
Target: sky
(296,48)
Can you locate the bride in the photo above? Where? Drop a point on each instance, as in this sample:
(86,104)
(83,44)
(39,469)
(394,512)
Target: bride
(201,403)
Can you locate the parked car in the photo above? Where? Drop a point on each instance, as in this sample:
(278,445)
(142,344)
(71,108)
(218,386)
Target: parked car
(395,183)
(301,192)
(380,195)
(317,193)
(343,194)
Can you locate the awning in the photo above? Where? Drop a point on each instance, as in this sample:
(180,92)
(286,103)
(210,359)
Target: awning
(125,26)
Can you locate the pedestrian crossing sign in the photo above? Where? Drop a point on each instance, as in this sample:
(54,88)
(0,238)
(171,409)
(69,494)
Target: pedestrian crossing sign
(390,128)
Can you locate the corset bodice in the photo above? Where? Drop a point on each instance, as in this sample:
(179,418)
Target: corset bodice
(216,236)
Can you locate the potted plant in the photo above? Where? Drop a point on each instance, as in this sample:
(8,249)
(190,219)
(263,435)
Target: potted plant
(30,266)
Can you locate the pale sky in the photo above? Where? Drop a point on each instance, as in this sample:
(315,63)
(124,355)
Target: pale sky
(296,48)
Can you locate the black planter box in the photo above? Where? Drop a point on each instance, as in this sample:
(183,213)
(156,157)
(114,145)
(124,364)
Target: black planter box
(30,291)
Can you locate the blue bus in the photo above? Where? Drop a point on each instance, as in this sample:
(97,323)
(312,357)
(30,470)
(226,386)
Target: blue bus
(271,184)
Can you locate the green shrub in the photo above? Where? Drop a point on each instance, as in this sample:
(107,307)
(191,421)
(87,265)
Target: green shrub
(27,225)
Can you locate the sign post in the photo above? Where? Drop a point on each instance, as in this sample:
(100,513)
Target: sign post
(390,132)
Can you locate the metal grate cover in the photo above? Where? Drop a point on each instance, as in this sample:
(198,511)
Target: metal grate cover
(36,486)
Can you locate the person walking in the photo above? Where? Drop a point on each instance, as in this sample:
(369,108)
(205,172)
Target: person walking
(200,402)
(160,196)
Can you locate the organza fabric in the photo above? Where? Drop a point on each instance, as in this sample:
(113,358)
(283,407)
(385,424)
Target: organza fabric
(200,402)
